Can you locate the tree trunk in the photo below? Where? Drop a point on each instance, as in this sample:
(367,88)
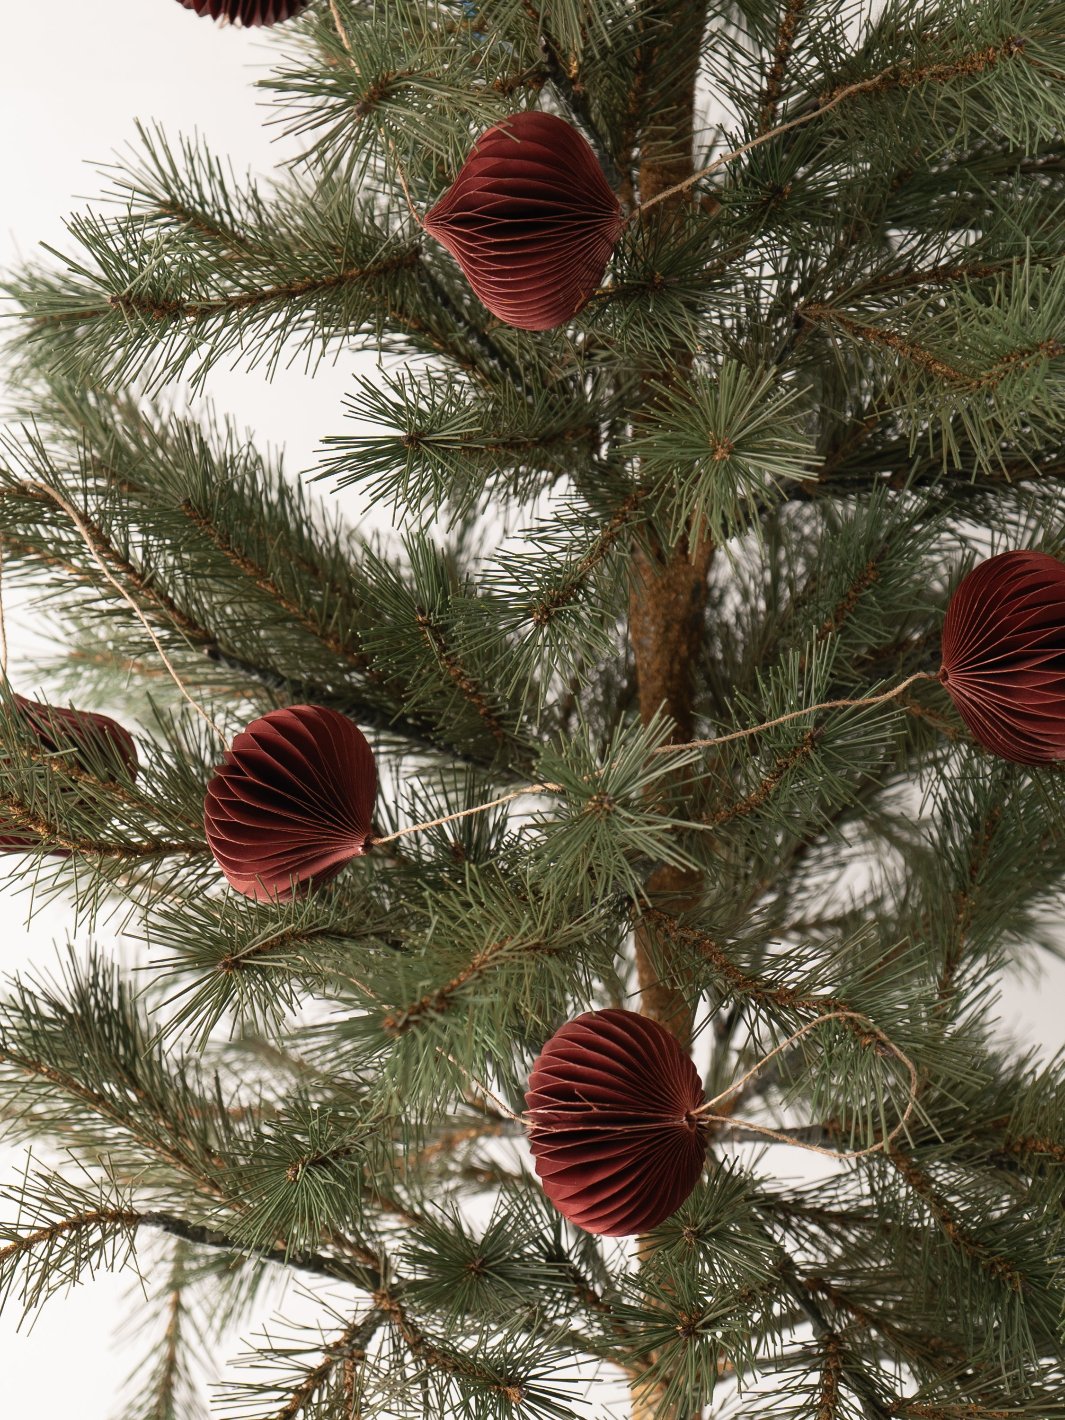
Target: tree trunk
(668,589)
(667,596)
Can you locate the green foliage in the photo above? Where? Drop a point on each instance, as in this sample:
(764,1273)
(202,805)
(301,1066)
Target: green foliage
(453,446)
(841,362)
(486,1274)
(62,1232)
(729,440)
(614,815)
(166,1384)
(164,288)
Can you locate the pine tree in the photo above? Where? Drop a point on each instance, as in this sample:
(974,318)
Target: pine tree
(823,377)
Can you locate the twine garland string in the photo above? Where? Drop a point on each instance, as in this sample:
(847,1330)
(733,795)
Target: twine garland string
(548,787)
(705,1110)
(837,98)
(704,1114)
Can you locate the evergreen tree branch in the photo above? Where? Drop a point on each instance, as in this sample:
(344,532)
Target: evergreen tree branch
(761,990)
(998,1267)
(91,1219)
(468,687)
(758,796)
(965,903)
(265,583)
(575,578)
(873,1407)
(348,1349)
(790,19)
(828,1401)
(130,1219)
(929,363)
(178,1152)
(895,78)
(133,303)
(18,815)
(429,1353)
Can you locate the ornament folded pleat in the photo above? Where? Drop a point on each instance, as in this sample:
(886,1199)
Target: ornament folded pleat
(292,803)
(611,1108)
(531,220)
(247,12)
(93,744)
(1004,655)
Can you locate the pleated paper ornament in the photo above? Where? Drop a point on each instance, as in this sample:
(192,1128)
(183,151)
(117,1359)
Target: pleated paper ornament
(93,744)
(531,220)
(611,1109)
(1004,655)
(247,12)
(292,803)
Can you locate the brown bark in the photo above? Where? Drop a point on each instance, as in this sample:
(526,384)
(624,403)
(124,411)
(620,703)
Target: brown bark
(668,586)
(667,596)
(666,605)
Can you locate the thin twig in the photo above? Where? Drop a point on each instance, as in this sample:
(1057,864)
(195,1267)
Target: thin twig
(1011,47)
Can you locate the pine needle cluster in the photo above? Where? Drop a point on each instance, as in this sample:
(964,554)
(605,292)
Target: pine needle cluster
(814,387)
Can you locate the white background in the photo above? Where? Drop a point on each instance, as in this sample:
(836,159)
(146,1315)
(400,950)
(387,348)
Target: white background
(74,74)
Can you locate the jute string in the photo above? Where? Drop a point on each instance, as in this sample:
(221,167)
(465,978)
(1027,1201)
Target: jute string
(548,787)
(705,1111)
(545,787)
(574,1118)
(822,108)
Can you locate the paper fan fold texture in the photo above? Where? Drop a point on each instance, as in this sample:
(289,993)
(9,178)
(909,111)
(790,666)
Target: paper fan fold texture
(1004,655)
(247,12)
(292,803)
(611,1104)
(531,220)
(94,744)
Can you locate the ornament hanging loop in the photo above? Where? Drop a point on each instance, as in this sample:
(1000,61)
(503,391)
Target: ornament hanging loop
(705,1112)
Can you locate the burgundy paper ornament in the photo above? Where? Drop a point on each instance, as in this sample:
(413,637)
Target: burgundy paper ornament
(292,803)
(1004,655)
(94,744)
(247,12)
(531,220)
(613,1130)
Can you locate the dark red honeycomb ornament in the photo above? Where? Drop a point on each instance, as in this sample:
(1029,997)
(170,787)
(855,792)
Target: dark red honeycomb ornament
(292,803)
(247,12)
(611,1108)
(531,220)
(92,744)
(1004,655)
